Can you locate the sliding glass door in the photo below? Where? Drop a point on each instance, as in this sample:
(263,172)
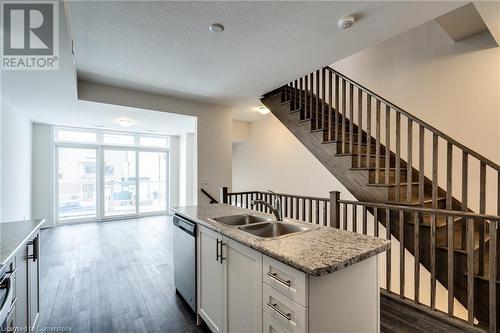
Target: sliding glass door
(120,182)
(76,183)
(108,175)
(152,181)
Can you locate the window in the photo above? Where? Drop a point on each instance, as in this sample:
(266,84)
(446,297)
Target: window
(118,139)
(151,141)
(119,182)
(77,188)
(152,181)
(103,174)
(76,136)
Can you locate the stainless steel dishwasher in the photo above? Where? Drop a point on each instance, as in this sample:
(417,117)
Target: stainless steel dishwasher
(185,260)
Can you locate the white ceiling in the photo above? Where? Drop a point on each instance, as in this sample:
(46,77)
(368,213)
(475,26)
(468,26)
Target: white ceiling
(50,97)
(165,47)
(104,116)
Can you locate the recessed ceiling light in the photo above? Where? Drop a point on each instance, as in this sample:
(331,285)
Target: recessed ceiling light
(346,22)
(125,122)
(216,27)
(100,126)
(263,110)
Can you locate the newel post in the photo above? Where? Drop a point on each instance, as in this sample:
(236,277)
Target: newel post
(223,194)
(334,209)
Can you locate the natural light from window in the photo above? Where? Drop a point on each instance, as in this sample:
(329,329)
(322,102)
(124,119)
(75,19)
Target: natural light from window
(76,136)
(152,141)
(132,169)
(118,139)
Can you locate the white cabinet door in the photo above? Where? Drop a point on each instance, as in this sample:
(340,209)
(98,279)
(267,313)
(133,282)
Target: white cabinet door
(242,288)
(34,281)
(209,279)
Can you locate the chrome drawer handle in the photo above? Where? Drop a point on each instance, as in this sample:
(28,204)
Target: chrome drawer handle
(275,276)
(287,316)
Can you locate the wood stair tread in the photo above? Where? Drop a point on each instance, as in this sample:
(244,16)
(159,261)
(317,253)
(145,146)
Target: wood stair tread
(390,184)
(441,221)
(457,246)
(381,168)
(413,202)
(483,278)
(362,154)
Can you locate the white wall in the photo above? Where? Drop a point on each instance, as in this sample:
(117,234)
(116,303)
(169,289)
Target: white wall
(213,125)
(174,171)
(274,159)
(241,131)
(190,169)
(16,144)
(187,185)
(182,170)
(43,174)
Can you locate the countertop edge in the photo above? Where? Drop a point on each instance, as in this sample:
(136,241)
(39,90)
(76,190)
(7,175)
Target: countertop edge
(312,272)
(25,239)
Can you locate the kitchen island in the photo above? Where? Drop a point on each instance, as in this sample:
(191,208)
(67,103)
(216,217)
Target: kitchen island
(317,280)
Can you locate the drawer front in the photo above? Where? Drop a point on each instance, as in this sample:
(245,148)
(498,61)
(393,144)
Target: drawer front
(286,280)
(292,316)
(269,325)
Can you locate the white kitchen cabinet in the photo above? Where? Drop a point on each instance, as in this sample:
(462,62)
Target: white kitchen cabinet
(209,279)
(34,280)
(24,268)
(229,284)
(242,288)
(299,303)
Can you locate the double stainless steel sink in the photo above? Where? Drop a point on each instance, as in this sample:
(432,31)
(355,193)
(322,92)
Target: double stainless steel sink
(262,227)
(242,219)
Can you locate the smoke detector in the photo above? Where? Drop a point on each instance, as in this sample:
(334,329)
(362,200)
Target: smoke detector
(346,22)
(216,27)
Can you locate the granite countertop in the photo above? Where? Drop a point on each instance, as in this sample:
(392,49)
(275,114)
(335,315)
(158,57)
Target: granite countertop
(13,235)
(317,252)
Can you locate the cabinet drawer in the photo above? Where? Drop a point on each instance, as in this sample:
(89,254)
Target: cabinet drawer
(269,325)
(284,311)
(286,280)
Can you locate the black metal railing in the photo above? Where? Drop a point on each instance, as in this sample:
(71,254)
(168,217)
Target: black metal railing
(427,235)
(212,199)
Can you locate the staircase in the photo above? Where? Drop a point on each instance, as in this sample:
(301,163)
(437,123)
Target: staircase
(359,137)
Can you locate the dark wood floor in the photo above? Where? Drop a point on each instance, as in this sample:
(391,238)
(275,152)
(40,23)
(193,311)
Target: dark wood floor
(118,277)
(111,277)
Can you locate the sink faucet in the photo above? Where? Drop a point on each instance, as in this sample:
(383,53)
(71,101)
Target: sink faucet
(275,207)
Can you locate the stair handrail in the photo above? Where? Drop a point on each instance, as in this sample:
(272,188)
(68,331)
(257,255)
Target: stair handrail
(423,210)
(212,199)
(419,121)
